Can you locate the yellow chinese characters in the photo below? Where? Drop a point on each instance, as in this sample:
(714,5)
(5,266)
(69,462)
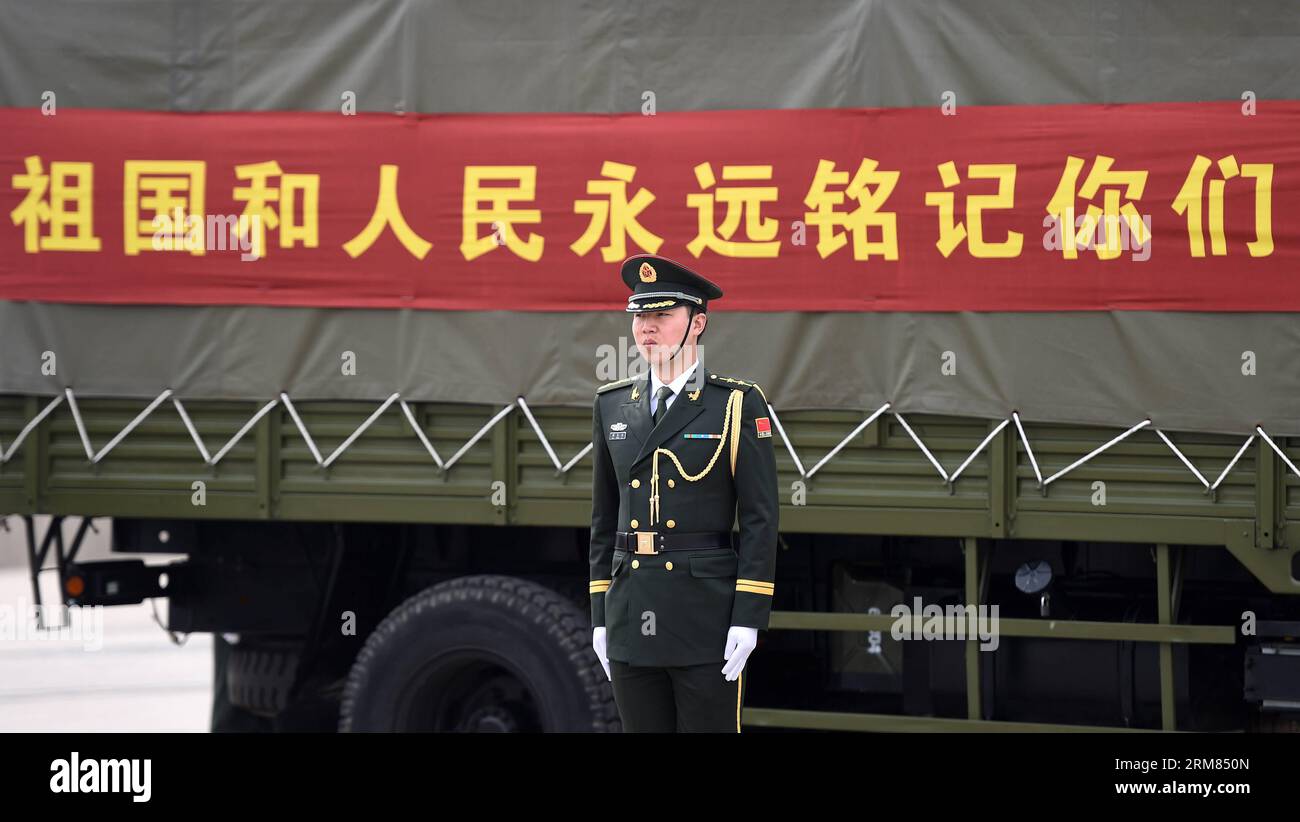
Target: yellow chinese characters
(1109,215)
(164,208)
(489,206)
(952,232)
(870,188)
(171,192)
(388,213)
(61,200)
(1188,202)
(614,211)
(747,200)
(270,207)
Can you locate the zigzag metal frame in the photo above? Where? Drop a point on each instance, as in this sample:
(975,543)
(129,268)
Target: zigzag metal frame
(1024,438)
(559,469)
(562,468)
(95,456)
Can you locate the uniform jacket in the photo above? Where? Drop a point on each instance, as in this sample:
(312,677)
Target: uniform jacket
(675,607)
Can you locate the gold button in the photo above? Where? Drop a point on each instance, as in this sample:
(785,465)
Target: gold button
(634,523)
(668,566)
(636,563)
(671,484)
(672,524)
(636,483)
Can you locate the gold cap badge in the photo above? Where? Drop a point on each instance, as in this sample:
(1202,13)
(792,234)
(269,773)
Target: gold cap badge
(647,273)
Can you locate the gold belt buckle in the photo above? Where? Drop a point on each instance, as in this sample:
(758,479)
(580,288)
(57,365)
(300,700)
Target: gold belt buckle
(645,542)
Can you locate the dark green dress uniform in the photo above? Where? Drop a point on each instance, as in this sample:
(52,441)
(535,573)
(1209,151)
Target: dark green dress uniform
(668,578)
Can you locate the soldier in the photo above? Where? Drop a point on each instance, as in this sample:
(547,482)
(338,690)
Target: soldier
(679,453)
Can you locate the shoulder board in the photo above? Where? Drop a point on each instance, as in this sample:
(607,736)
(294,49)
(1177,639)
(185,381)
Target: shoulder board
(730,382)
(609,386)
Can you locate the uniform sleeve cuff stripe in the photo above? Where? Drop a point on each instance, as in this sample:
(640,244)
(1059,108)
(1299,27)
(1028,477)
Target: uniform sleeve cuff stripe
(756,582)
(752,590)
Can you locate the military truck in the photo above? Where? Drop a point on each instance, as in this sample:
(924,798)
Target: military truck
(403,545)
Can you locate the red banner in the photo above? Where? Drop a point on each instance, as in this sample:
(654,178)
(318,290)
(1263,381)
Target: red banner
(1151,206)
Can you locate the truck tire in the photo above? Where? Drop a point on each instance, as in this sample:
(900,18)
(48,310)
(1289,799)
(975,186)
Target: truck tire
(258,679)
(480,654)
(228,717)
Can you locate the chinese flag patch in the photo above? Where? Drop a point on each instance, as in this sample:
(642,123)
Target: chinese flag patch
(763,426)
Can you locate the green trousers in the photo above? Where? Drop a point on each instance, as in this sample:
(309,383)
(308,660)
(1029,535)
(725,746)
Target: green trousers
(686,699)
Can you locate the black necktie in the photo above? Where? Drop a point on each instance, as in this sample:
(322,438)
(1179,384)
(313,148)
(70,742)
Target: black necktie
(662,405)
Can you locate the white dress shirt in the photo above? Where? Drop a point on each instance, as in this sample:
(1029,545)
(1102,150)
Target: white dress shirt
(677,385)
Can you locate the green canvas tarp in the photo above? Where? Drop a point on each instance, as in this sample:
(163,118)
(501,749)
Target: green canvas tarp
(1182,370)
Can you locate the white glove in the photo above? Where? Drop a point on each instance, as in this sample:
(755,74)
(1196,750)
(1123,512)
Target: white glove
(740,642)
(598,642)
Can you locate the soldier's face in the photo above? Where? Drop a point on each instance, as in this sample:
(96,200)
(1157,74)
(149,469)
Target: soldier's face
(657,333)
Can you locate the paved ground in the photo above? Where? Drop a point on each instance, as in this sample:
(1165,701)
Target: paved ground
(137,679)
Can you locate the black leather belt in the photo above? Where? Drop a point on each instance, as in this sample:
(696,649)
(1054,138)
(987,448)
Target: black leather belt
(652,542)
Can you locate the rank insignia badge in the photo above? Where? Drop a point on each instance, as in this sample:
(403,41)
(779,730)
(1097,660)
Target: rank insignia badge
(763,426)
